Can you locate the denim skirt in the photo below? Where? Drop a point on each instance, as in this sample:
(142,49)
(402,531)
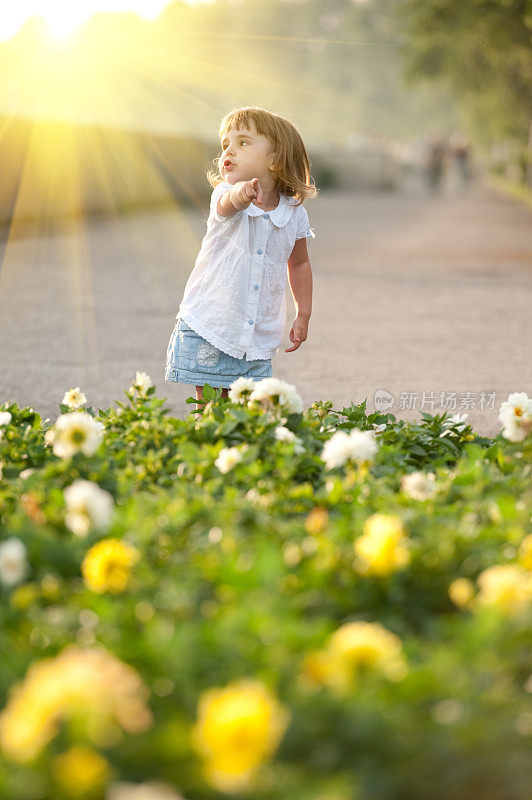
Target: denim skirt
(192,359)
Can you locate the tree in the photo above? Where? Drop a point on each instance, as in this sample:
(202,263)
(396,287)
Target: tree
(482,50)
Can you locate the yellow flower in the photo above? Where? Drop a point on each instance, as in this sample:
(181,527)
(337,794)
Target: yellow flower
(316,520)
(80,770)
(369,644)
(461,592)
(238,727)
(324,668)
(353,647)
(107,565)
(506,586)
(525,552)
(87,681)
(381,548)
(24,596)
(50,586)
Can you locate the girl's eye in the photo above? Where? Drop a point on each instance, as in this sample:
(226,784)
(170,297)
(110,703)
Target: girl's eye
(224,146)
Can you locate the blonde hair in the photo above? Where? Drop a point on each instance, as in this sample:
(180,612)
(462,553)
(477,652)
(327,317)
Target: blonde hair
(292,170)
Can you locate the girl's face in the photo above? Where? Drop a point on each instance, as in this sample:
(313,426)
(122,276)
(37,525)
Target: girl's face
(246,154)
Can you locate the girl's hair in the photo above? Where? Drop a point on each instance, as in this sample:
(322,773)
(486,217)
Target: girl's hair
(292,171)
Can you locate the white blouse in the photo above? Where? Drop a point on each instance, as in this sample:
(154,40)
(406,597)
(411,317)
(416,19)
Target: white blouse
(235,295)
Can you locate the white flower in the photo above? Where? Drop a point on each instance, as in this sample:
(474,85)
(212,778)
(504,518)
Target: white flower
(284,434)
(252,495)
(363,445)
(419,485)
(378,428)
(240,389)
(5,417)
(76,431)
(454,420)
(516,417)
(514,432)
(88,506)
(517,406)
(227,458)
(13,565)
(452,426)
(336,450)
(357,445)
(26,472)
(142,383)
(270,392)
(49,436)
(74,398)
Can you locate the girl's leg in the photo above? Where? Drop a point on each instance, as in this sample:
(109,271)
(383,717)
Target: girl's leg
(199,395)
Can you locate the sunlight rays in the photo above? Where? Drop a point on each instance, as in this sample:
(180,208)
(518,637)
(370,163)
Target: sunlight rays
(62,19)
(100,93)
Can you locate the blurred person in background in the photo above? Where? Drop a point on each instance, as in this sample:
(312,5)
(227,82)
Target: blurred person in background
(461,154)
(435,161)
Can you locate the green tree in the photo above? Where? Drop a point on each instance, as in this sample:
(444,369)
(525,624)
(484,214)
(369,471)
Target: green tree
(481,49)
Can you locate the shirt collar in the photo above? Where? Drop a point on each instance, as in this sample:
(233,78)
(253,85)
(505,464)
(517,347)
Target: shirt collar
(279,215)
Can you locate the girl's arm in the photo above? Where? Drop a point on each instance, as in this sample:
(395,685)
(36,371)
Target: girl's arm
(239,197)
(300,279)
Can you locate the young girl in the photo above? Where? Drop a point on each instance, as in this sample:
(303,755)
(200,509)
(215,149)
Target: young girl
(232,317)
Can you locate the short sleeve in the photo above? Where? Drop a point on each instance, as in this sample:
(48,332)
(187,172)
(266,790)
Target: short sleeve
(303,227)
(217,192)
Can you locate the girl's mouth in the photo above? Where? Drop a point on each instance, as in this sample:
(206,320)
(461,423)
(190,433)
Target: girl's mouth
(228,164)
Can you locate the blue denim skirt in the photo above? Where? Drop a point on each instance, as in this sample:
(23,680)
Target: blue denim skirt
(192,359)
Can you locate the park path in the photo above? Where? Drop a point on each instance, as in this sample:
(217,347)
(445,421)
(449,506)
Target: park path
(414,294)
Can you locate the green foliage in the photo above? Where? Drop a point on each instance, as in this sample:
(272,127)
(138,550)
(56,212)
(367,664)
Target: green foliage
(236,580)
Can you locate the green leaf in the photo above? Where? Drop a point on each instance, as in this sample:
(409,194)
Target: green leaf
(293,421)
(209,392)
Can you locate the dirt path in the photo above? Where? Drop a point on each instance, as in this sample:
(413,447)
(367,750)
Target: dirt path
(412,294)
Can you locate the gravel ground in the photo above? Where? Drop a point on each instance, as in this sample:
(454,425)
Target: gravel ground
(414,294)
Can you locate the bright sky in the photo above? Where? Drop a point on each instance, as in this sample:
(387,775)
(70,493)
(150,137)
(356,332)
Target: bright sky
(63,17)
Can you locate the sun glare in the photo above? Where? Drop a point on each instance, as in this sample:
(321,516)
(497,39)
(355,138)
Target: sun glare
(62,19)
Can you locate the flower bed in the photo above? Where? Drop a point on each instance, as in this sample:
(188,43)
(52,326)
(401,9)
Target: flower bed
(264,601)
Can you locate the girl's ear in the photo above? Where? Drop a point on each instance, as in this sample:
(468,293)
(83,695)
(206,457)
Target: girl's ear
(273,157)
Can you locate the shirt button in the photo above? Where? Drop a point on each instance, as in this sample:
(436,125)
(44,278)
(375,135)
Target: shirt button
(259,252)
(266,216)
(256,286)
(250,321)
